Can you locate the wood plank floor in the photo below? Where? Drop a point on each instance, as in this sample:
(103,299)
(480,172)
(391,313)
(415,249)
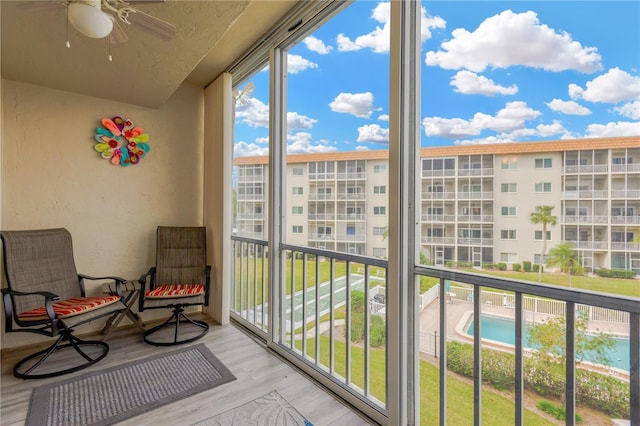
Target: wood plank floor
(257,370)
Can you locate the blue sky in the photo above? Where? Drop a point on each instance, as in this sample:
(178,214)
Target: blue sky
(492,72)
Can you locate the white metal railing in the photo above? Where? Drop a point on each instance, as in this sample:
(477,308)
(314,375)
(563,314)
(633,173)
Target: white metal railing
(321,216)
(447,195)
(625,193)
(250,216)
(322,176)
(589,245)
(481,195)
(350,237)
(351,196)
(438,240)
(315,283)
(314,196)
(438,218)
(351,175)
(438,173)
(625,168)
(352,216)
(251,197)
(625,246)
(475,218)
(475,241)
(625,220)
(585,219)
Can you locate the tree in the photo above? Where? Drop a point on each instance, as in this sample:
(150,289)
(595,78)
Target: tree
(548,338)
(542,215)
(566,258)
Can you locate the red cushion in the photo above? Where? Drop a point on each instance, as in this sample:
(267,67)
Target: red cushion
(175,290)
(69,307)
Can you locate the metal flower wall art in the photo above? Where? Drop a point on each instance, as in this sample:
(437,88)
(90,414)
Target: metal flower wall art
(121,142)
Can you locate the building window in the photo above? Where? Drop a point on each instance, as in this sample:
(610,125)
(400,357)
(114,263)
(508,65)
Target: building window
(379,210)
(324,230)
(509,211)
(297,190)
(508,257)
(296,229)
(351,230)
(380,168)
(543,163)
(538,236)
(543,187)
(380,189)
(379,252)
(379,230)
(508,234)
(509,187)
(257,229)
(509,163)
(536,259)
(298,171)
(297,210)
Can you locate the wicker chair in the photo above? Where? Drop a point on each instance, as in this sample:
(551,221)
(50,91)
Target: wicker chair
(181,278)
(46,295)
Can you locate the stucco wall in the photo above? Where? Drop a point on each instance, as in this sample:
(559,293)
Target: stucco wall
(52,176)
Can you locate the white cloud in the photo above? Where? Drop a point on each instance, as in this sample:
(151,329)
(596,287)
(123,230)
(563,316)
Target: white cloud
(612,87)
(378,39)
(362,148)
(609,130)
(483,141)
(510,118)
(301,143)
(316,45)
(383,117)
(547,130)
(373,133)
(297,121)
(244,149)
(471,83)
(297,64)
(512,39)
(358,104)
(568,107)
(630,110)
(253,112)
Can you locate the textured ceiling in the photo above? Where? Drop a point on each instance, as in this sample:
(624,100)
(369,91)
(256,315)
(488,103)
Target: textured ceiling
(145,70)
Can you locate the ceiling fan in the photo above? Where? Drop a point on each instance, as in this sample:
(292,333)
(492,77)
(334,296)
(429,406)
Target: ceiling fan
(103,18)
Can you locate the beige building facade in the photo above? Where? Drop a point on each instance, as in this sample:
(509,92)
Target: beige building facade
(475,201)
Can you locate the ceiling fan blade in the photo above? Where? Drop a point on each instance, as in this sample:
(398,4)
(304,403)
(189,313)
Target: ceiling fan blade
(117,36)
(144,1)
(153,25)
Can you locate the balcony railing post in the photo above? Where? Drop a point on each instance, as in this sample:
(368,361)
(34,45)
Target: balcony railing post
(519,379)
(570,374)
(477,356)
(634,372)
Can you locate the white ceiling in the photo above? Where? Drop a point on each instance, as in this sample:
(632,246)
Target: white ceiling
(146,70)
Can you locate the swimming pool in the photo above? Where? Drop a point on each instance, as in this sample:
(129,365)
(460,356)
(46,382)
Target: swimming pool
(502,329)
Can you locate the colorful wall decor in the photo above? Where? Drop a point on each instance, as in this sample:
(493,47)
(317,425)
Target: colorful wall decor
(121,142)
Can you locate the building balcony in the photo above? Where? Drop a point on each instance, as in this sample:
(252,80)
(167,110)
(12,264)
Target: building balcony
(351,175)
(589,168)
(250,216)
(250,197)
(463,241)
(587,194)
(481,195)
(439,195)
(350,237)
(322,176)
(448,241)
(589,245)
(438,218)
(633,194)
(438,173)
(251,178)
(625,168)
(476,172)
(625,220)
(351,216)
(348,196)
(320,237)
(600,220)
(475,218)
(625,246)
(321,216)
(314,196)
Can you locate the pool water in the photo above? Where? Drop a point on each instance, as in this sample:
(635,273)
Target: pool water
(503,330)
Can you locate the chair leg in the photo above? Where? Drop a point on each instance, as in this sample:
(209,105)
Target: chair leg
(177,317)
(24,369)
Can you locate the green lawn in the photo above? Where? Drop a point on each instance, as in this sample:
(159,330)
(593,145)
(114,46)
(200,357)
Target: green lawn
(496,409)
(624,287)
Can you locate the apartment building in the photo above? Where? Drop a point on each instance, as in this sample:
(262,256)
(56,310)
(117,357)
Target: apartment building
(475,201)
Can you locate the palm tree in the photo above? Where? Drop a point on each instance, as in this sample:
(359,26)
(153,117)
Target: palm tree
(543,215)
(564,256)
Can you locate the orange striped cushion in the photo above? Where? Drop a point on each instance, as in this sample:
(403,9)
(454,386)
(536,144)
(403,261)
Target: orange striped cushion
(176,290)
(69,307)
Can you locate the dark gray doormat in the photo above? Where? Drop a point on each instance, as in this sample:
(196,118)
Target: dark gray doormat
(109,396)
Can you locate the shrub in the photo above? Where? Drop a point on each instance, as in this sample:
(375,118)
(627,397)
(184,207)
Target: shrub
(526,265)
(502,266)
(377,336)
(489,265)
(516,267)
(595,390)
(537,267)
(615,273)
(556,411)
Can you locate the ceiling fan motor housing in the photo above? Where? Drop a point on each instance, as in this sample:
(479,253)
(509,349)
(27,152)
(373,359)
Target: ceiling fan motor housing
(89,19)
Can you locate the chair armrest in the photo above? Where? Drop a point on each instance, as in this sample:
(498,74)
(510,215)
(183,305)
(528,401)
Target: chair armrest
(7,295)
(207,285)
(151,274)
(119,281)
